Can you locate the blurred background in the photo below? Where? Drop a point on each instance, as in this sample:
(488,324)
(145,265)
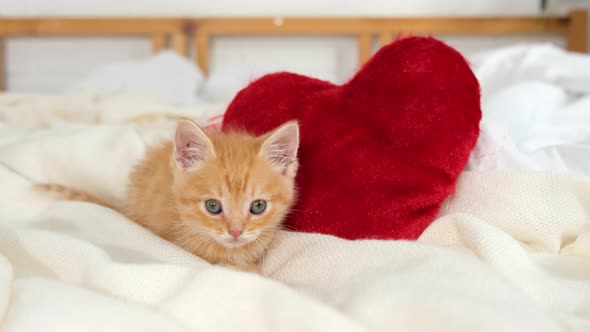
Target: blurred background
(60,63)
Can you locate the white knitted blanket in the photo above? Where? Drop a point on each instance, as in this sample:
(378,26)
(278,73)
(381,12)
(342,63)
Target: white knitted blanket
(510,252)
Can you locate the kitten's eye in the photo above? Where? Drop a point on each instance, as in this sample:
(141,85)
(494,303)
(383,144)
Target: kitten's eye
(258,206)
(213,206)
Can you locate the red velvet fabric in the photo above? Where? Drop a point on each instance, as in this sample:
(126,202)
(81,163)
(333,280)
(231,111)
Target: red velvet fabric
(379,154)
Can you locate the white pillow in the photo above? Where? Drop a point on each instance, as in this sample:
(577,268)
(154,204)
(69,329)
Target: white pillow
(167,76)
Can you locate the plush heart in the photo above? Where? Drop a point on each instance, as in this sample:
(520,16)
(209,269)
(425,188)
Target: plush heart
(379,154)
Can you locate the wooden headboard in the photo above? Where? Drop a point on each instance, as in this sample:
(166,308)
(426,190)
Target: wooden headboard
(179,33)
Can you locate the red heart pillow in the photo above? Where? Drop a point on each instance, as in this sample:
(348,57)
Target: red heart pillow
(379,154)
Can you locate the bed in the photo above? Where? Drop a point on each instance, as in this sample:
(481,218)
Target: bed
(509,251)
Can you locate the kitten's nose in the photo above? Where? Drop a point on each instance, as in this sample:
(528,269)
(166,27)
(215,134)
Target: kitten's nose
(236,233)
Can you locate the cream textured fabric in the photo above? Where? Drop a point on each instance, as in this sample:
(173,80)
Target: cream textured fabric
(510,252)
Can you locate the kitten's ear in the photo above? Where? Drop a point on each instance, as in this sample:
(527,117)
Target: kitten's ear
(280,147)
(191,145)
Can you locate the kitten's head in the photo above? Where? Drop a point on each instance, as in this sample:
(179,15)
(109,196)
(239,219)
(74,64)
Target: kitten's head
(231,187)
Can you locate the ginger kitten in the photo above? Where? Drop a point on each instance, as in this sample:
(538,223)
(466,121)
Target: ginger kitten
(221,196)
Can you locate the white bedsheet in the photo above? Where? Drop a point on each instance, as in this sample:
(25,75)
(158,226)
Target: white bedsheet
(536,110)
(510,252)
(36,111)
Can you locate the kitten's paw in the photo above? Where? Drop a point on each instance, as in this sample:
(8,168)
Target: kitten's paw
(254,267)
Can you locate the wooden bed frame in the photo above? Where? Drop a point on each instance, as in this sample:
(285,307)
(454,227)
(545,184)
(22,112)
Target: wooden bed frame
(179,33)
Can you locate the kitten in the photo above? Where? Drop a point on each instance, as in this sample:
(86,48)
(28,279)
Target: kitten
(221,196)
